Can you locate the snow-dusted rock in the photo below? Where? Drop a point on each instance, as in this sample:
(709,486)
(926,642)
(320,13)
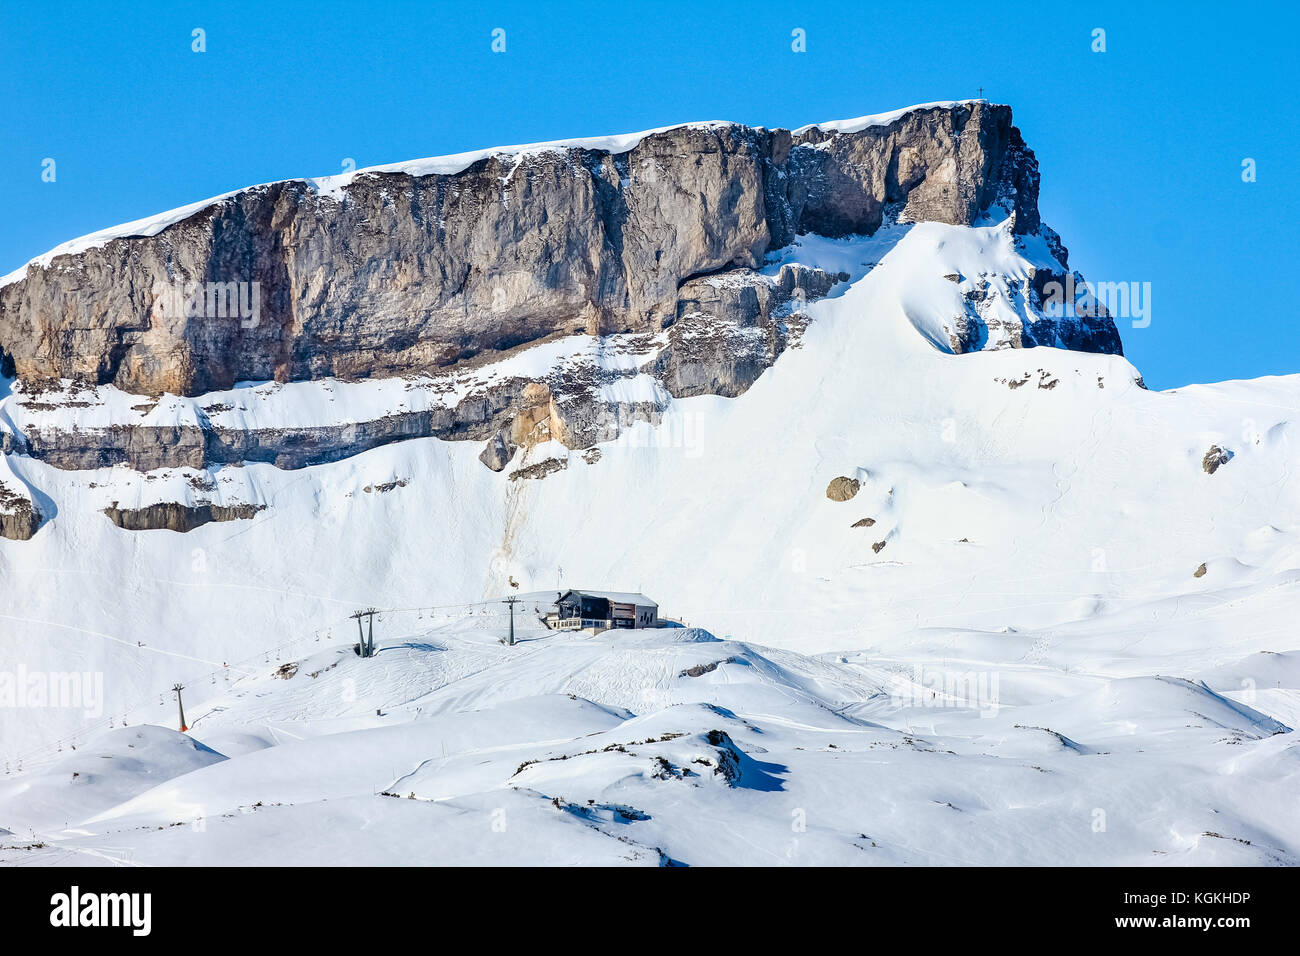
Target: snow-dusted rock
(19,515)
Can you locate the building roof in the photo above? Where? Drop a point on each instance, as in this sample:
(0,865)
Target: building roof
(618,597)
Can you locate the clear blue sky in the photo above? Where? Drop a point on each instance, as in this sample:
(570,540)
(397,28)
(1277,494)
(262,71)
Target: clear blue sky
(1140,147)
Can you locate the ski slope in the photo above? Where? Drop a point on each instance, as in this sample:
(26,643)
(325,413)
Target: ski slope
(666,747)
(1015,662)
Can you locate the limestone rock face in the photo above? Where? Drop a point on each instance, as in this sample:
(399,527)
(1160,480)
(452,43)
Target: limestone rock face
(564,405)
(19,516)
(432,277)
(398,272)
(178,516)
(538,420)
(731,327)
(19,520)
(498,451)
(941,165)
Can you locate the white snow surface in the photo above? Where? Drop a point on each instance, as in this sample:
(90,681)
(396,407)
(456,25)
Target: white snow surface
(1027,670)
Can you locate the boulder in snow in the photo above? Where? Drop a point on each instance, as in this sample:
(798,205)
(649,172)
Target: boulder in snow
(1215,457)
(842,488)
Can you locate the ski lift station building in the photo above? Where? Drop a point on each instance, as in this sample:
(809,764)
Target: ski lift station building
(604,609)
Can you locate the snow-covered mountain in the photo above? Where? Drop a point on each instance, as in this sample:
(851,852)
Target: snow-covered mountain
(958,588)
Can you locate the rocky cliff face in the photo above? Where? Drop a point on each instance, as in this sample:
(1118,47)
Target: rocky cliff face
(732,327)
(399,272)
(19,516)
(177,516)
(557,293)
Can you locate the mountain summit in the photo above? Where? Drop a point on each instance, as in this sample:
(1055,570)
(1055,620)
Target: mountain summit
(423,265)
(941,580)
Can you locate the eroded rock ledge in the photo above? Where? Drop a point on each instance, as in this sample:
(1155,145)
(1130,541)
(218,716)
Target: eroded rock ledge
(178,516)
(20,518)
(731,328)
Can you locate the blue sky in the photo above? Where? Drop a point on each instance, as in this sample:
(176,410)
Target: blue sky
(1140,146)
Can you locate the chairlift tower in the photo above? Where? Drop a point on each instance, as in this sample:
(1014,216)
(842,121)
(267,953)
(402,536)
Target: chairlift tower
(512,601)
(366,647)
(176,689)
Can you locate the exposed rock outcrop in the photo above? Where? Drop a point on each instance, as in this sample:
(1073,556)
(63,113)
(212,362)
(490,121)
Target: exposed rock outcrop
(566,405)
(842,488)
(999,312)
(541,469)
(436,277)
(19,516)
(1215,458)
(731,327)
(497,452)
(177,516)
(396,271)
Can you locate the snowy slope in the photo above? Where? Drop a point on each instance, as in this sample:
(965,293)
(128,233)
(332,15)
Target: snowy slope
(1017,641)
(672,747)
